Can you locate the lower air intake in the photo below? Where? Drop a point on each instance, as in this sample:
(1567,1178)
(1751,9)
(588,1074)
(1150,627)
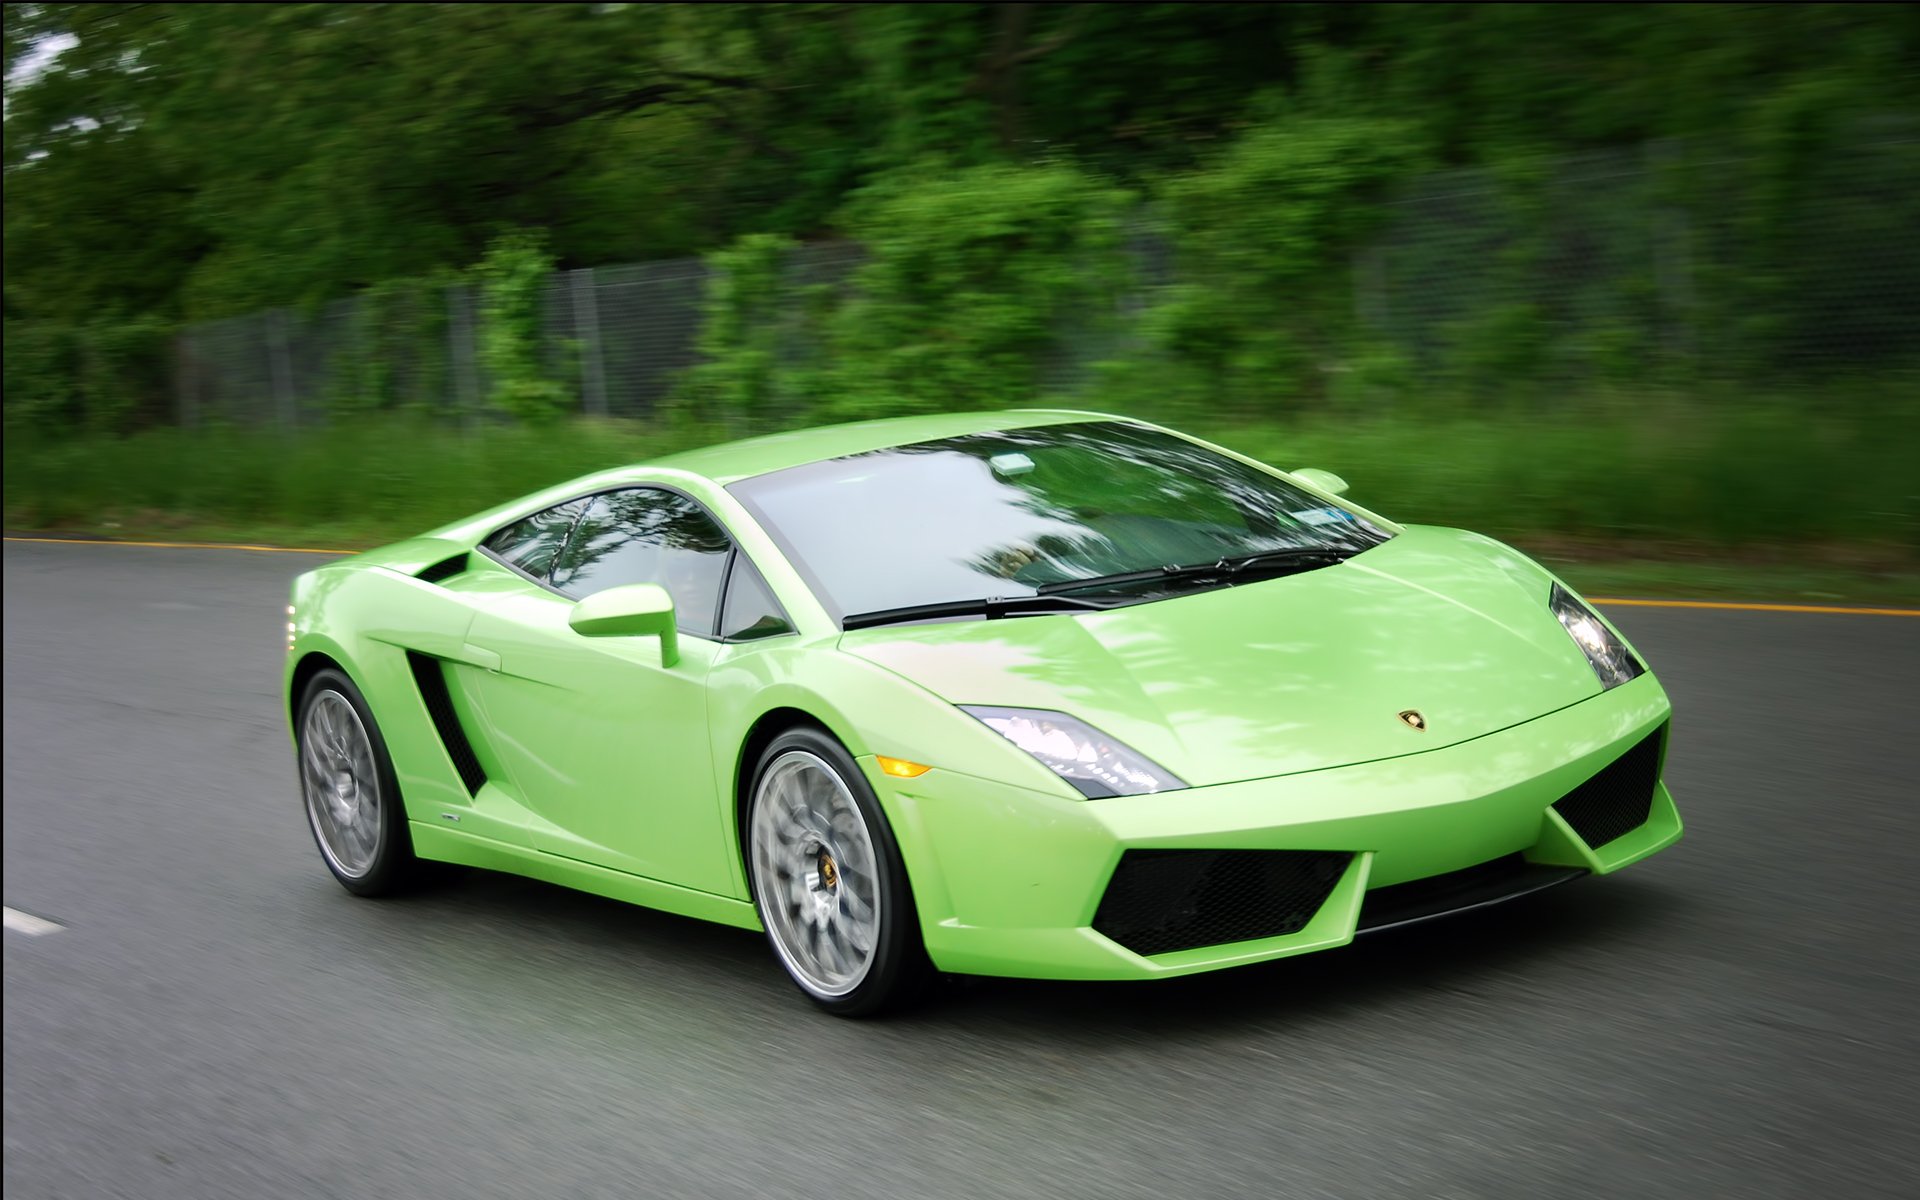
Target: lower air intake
(1160,901)
(1619,799)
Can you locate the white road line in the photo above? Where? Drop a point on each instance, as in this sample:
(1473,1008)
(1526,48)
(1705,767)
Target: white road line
(29,924)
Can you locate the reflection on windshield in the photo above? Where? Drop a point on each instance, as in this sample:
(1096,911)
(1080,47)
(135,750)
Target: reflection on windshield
(1008,512)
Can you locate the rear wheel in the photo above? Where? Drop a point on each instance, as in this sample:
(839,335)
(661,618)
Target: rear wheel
(352,800)
(828,880)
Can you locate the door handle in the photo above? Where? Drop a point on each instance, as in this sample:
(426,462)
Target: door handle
(478,656)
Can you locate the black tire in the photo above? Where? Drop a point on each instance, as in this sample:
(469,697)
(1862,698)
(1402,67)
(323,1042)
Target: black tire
(391,867)
(898,971)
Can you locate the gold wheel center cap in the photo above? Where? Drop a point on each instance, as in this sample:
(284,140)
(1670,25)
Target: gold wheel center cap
(829,874)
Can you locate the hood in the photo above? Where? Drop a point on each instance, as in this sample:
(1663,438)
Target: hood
(1283,675)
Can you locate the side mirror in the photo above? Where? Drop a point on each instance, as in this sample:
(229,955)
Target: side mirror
(1326,481)
(634,609)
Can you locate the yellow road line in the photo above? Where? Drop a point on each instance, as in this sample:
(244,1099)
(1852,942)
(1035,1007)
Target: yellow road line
(180,545)
(1792,608)
(1719,604)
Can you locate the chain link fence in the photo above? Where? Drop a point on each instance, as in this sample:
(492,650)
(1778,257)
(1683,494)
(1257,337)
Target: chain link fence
(619,337)
(1659,264)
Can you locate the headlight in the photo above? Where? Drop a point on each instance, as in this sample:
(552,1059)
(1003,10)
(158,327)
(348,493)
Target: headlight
(1608,655)
(1086,758)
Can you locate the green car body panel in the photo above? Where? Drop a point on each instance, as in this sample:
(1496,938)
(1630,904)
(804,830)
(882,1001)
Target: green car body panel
(1278,702)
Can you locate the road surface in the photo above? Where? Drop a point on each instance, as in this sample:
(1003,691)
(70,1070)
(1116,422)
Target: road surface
(215,1017)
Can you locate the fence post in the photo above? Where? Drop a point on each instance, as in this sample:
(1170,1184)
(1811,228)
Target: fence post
(186,407)
(360,397)
(280,365)
(460,349)
(1672,253)
(1370,287)
(586,327)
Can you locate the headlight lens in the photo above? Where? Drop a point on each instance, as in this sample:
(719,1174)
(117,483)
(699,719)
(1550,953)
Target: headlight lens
(1080,754)
(1608,655)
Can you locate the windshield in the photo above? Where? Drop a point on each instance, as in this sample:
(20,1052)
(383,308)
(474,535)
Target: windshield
(1010,512)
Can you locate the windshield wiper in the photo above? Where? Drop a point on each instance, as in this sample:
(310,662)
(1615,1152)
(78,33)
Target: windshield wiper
(990,607)
(1305,557)
(1052,597)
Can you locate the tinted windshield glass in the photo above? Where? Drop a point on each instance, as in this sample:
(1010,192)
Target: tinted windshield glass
(1009,512)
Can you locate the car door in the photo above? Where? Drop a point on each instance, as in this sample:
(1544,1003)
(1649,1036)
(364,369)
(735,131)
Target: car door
(607,746)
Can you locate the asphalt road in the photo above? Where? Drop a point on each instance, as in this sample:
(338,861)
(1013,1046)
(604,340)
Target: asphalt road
(217,1018)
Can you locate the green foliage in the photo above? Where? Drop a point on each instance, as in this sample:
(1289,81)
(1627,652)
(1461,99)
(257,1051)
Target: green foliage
(1703,478)
(512,279)
(207,160)
(187,162)
(1262,236)
(972,281)
(380,477)
(1716,472)
(747,305)
(391,354)
(106,375)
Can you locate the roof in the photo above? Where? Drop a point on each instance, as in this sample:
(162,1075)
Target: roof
(730,461)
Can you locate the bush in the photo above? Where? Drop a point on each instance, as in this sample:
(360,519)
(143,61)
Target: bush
(513,279)
(394,354)
(741,383)
(976,283)
(108,375)
(1260,237)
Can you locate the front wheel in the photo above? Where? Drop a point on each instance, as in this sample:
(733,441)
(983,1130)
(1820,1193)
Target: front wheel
(828,880)
(352,799)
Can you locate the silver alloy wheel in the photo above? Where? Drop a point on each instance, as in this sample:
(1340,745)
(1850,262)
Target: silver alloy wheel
(341,784)
(815,873)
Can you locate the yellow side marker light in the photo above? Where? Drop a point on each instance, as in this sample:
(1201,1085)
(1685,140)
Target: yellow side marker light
(900,768)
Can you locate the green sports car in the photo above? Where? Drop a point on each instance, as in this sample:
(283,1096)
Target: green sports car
(1044,694)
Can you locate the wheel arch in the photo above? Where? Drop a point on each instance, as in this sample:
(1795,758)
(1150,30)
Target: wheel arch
(765,728)
(310,664)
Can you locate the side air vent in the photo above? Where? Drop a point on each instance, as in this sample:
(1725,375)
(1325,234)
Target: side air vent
(446,568)
(430,674)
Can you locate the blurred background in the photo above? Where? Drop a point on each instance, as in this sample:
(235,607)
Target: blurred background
(1636,287)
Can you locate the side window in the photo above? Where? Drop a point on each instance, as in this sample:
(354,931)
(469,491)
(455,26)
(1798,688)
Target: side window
(533,543)
(647,535)
(751,611)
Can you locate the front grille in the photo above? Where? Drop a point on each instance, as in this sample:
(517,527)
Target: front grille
(1619,799)
(1457,891)
(1160,901)
(430,674)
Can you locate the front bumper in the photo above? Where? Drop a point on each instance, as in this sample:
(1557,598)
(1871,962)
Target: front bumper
(1008,880)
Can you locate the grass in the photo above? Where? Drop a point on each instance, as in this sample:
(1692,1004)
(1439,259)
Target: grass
(1756,502)
(1699,481)
(353,485)
(1774,583)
